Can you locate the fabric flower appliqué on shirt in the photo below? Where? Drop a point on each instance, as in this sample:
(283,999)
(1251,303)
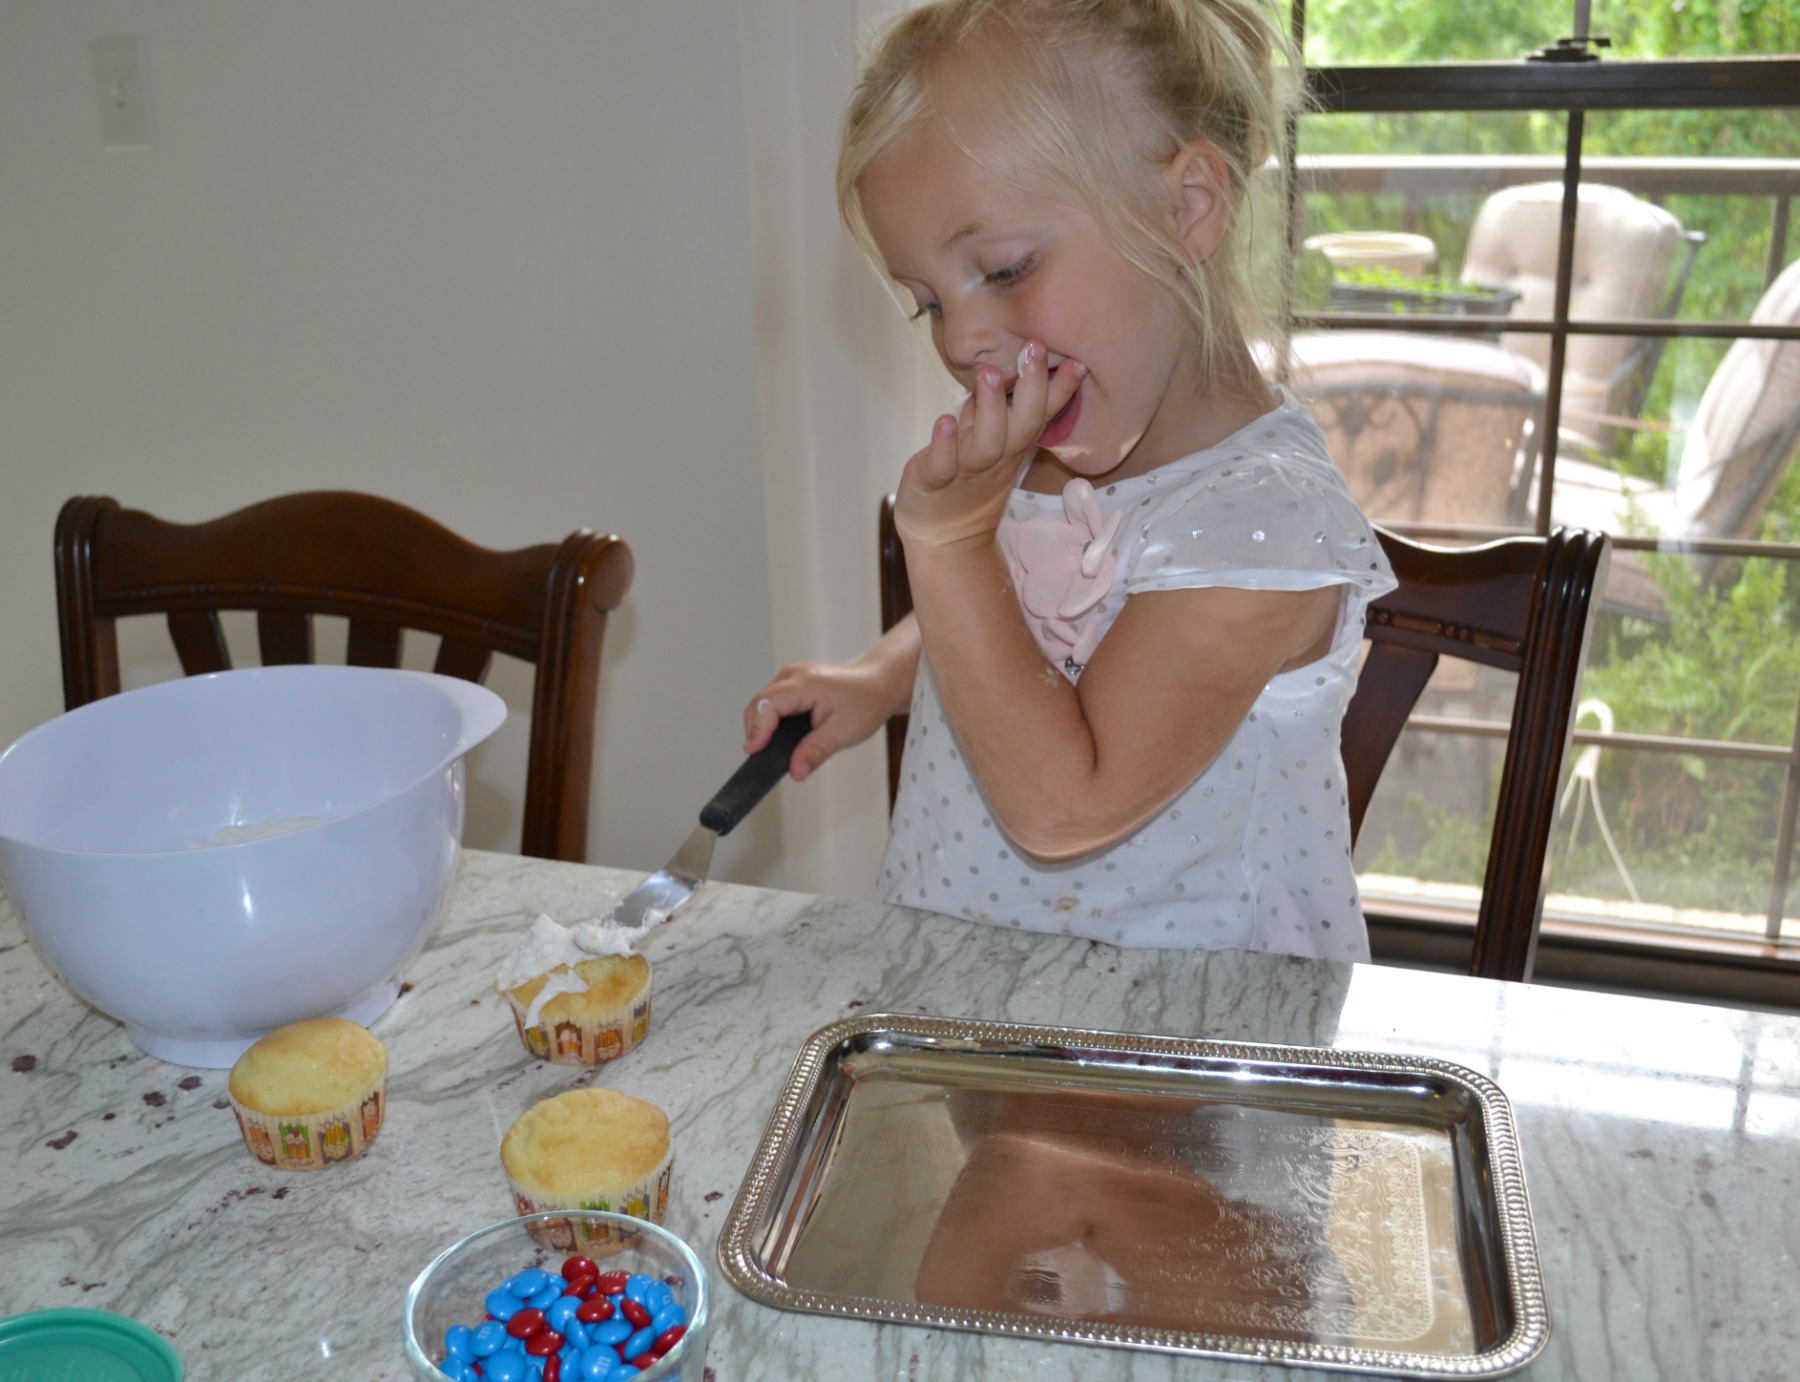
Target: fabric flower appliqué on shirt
(1062,568)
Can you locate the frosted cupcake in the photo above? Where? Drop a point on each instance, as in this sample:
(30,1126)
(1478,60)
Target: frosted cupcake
(589,1149)
(310,1094)
(579,995)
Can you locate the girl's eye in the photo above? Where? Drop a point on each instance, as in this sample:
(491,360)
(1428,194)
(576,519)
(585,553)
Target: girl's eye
(1012,273)
(927,309)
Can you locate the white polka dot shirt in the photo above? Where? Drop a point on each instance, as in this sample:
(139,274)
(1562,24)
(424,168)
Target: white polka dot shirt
(1255,853)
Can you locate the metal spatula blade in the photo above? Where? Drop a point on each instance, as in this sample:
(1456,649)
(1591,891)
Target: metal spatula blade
(676,881)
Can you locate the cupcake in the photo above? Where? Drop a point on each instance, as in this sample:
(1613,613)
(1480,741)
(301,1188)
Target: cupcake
(589,1149)
(579,995)
(310,1094)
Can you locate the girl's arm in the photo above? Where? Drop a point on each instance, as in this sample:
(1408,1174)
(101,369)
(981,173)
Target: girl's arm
(1070,768)
(849,701)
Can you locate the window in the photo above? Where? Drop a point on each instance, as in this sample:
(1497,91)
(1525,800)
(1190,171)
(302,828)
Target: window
(1551,280)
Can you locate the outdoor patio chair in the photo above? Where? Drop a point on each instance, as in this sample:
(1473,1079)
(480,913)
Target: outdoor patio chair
(1739,446)
(1631,259)
(383,567)
(1524,605)
(1425,429)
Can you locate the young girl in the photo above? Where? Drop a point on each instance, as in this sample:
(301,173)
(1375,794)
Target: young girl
(1138,580)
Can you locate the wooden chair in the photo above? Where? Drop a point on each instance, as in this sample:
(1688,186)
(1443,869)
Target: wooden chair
(383,567)
(1524,605)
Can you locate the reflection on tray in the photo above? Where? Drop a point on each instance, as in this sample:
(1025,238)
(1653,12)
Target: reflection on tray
(1179,1195)
(1169,1213)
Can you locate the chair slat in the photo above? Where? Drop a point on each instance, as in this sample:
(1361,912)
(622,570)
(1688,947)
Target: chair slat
(284,636)
(1394,676)
(199,641)
(456,658)
(372,644)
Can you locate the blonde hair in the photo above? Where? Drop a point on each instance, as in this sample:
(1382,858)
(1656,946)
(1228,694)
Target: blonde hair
(1098,96)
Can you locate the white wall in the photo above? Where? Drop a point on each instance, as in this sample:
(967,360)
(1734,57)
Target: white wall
(490,260)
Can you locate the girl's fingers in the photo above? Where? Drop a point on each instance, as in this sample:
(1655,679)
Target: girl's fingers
(760,718)
(1031,389)
(936,466)
(986,437)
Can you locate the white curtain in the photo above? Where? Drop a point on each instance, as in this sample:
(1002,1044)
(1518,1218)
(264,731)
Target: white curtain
(847,391)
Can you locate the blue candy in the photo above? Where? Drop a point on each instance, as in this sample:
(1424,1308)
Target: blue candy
(599,1363)
(530,1281)
(502,1304)
(613,1331)
(456,1342)
(636,1284)
(603,1352)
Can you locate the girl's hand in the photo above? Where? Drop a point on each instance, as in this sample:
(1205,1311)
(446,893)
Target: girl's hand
(955,490)
(848,701)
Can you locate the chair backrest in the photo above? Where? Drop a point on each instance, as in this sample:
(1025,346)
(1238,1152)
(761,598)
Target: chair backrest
(1524,605)
(1625,249)
(384,568)
(1746,426)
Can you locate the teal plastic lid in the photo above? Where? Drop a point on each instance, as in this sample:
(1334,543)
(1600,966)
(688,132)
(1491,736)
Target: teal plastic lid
(83,1346)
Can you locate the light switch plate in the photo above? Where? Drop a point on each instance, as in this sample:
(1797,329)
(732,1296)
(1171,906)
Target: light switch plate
(124,100)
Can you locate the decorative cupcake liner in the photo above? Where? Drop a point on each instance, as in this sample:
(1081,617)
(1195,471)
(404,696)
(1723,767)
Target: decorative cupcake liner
(647,1199)
(566,1041)
(312,1141)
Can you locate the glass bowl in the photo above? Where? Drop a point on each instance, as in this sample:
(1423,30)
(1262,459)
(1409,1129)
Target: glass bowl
(453,1288)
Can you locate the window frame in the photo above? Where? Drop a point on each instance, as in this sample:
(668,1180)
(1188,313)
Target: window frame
(1570,78)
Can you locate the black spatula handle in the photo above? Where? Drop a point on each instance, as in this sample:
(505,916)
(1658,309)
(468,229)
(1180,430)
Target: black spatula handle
(756,775)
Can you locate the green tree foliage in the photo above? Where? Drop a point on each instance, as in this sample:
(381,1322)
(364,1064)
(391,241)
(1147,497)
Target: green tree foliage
(1725,667)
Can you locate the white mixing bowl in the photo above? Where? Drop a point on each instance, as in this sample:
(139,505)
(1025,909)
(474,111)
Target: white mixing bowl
(210,858)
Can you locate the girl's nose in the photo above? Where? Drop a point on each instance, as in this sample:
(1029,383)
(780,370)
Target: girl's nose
(973,338)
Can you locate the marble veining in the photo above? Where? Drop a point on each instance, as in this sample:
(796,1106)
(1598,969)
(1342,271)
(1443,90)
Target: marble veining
(1660,1139)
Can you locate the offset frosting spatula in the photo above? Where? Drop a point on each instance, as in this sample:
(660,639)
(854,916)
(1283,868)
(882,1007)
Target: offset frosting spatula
(674,883)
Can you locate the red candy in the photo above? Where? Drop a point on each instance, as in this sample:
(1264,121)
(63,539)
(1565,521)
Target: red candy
(543,1343)
(599,1297)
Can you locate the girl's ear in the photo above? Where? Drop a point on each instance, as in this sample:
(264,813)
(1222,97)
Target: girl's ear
(1199,189)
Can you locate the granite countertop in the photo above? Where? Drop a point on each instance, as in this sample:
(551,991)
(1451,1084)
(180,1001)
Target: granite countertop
(1659,1138)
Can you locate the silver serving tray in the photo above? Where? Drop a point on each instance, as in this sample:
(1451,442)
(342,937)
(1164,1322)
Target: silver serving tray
(1298,1205)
